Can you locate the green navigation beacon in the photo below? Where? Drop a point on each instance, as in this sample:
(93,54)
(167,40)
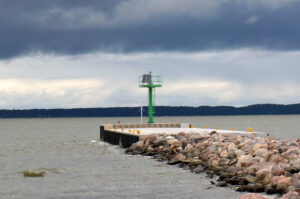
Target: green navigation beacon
(151,82)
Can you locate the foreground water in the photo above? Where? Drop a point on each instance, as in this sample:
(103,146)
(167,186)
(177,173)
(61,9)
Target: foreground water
(77,165)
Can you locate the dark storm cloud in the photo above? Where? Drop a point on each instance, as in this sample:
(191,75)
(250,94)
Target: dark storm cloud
(76,26)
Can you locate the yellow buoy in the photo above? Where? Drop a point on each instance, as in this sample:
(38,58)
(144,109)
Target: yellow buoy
(217,128)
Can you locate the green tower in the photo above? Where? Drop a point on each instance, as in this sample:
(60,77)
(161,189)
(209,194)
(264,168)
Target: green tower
(151,82)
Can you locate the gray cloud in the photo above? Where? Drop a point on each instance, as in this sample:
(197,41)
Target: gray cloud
(231,77)
(79,27)
(89,53)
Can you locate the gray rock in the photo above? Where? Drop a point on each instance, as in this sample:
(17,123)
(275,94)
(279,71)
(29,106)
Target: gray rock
(177,159)
(224,162)
(262,152)
(198,169)
(222,184)
(250,178)
(231,169)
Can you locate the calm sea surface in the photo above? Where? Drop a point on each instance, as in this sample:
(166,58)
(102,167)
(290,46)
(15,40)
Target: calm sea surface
(77,165)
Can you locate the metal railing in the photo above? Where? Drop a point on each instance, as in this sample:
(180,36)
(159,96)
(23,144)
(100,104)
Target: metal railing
(154,80)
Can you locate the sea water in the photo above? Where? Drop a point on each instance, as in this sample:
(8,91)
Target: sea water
(78,165)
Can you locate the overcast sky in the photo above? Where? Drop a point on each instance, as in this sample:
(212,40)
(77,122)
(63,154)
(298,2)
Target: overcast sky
(75,53)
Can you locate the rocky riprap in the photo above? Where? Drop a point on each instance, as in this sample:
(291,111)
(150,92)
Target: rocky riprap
(246,163)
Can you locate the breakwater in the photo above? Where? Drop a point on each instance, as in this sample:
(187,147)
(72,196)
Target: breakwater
(243,162)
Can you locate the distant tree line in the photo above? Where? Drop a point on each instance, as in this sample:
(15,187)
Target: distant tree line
(258,109)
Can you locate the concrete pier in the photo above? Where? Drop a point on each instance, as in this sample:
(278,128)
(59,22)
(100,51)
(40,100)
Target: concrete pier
(118,138)
(127,134)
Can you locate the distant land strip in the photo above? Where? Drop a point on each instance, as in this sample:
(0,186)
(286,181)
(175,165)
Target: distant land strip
(257,109)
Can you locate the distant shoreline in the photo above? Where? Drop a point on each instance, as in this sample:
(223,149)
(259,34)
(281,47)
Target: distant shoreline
(257,109)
